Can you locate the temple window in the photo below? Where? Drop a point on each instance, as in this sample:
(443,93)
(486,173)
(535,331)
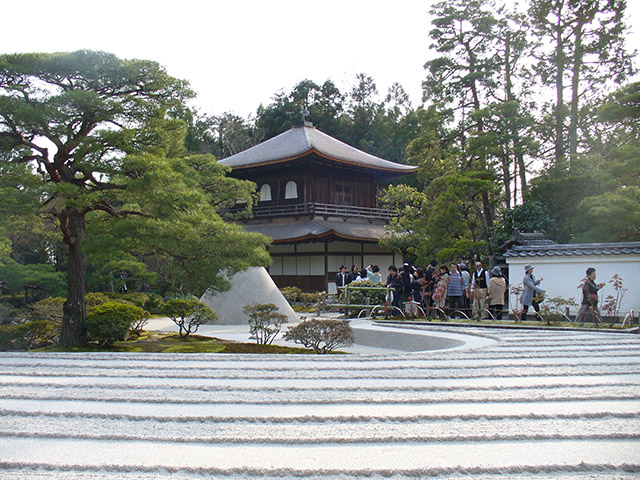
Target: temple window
(291,190)
(265,193)
(344,193)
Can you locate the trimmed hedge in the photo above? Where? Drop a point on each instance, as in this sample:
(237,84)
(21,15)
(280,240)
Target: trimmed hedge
(111,321)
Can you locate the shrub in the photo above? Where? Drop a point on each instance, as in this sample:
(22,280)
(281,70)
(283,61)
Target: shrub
(552,309)
(138,325)
(95,299)
(321,335)
(265,321)
(155,302)
(8,314)
(375,294)
(290,293)
(7,336)
(37,333)
(48,309)
(611,305)
(188,314)
(110,322)
(309,299)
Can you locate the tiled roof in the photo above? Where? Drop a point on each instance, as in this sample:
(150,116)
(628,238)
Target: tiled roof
(577,249)
(318,228)
(304,139)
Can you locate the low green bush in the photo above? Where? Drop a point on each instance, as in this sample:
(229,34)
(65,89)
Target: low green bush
(39,333)
(309,299)
(28,335)
(47,309)
(8,334)
(95,299)
(155,302)
(111,321)
(290,293)
(375,294)
(8,314)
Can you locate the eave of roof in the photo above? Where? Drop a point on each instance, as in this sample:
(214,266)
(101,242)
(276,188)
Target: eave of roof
(317,229)
(304,140)
(578,249)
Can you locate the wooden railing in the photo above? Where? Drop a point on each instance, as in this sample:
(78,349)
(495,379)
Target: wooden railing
(322,209)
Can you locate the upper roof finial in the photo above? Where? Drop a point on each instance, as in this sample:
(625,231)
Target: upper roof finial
(305,114)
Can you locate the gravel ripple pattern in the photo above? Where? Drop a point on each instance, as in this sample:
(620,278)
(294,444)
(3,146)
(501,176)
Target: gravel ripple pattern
(532,405)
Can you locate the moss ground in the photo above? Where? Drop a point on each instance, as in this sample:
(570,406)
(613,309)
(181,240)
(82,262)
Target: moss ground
(173,343)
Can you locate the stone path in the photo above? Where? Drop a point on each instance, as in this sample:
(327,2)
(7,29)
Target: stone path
(532,404)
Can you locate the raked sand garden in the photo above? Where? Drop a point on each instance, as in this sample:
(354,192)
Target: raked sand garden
(517,404)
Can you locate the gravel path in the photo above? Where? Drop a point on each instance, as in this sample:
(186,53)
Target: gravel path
(518,405)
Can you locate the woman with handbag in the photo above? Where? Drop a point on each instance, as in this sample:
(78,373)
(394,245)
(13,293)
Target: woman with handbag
(531,292)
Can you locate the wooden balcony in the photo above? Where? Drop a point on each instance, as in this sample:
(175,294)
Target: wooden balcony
(321,210)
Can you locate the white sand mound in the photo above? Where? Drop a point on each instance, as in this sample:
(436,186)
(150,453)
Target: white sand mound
(254,285)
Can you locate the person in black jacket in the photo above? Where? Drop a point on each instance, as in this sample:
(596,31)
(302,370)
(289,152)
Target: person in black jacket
(590,297)
(355,274)
(406,275)
(342,279)
(417,286)
(395,282)
(430,280)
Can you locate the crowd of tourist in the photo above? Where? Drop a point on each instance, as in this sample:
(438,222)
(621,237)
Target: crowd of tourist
(454,291)
(450,290)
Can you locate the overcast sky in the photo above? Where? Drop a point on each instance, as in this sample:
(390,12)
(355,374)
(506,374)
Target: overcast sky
(238,53)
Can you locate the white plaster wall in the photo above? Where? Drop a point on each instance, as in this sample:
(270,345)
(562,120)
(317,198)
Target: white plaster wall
(562,275)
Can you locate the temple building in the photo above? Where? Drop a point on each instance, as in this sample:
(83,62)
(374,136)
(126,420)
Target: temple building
(318,205)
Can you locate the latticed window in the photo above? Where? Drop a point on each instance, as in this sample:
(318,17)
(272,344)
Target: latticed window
(344,193)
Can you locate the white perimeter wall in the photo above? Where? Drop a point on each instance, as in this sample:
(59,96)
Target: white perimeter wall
(562,275)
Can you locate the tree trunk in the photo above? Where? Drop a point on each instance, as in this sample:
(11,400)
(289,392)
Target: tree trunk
(73,333)
(559,110)
(575,92)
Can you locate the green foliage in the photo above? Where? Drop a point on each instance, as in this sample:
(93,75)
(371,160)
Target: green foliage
(291,294)
(367,292)
(265,321)
(39,275)
(95,299)
(111,321)
(405,231)
(154,302)
(561,197)
(8,334)
(119,179)
(531,216)
(188,314)
(37,333)
(309,299)
(552,309)
(5,249)
(9,314)
(382,127)
(321,335)
(49,309)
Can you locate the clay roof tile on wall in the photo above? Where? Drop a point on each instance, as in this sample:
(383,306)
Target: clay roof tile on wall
(577,249)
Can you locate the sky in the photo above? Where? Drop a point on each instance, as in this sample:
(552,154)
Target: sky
(237,54)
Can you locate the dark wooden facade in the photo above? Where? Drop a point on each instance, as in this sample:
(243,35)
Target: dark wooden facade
(317,180)
(318,206)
